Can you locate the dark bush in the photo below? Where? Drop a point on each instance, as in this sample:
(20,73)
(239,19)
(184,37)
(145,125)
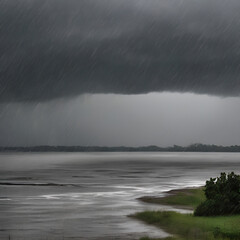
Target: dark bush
(222,196)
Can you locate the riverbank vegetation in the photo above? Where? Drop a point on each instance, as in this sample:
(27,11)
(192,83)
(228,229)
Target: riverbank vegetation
(190,226)
(188,198)
(187,226)
(222,196)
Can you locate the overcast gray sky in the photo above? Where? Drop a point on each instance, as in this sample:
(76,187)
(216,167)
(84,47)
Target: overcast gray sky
(119,72)
(134,120)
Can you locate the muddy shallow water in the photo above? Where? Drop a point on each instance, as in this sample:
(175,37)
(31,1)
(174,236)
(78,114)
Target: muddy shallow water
(89,195)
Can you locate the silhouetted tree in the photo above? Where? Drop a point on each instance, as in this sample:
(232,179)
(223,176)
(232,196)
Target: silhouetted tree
(223,196)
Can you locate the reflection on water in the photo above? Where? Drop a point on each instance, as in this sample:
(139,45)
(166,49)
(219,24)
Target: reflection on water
(89,195)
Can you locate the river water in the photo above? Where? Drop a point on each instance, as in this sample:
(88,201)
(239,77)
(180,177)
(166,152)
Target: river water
(89,195)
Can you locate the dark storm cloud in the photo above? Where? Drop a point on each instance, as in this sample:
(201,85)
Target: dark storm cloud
(60,48)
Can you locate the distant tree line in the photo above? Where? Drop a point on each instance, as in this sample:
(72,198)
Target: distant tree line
(198,147)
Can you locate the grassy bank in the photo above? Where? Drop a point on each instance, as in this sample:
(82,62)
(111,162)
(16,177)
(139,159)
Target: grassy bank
(187,226)
(182,198)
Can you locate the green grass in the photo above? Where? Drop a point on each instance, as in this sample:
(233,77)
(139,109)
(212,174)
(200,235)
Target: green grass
(187,226)
(191,227)
(186,198)
(167,238)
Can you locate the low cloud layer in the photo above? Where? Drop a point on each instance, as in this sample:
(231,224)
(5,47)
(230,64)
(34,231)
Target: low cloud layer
(58,48)
(114,120)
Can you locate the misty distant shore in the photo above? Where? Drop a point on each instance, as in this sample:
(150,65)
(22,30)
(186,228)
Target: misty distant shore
(152,148)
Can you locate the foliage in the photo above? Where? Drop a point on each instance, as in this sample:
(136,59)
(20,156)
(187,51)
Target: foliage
(189,227)
(222,196)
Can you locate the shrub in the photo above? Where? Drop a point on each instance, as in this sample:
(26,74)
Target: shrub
(222,196)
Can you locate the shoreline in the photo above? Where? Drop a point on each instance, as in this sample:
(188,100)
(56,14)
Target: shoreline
(187,226)
(164,200)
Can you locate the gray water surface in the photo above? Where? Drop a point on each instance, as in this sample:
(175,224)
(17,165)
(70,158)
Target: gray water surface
(89,195)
